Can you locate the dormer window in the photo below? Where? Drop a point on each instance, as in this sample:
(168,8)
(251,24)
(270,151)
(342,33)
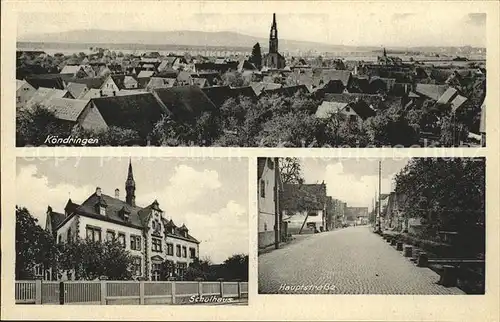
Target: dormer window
(102,210)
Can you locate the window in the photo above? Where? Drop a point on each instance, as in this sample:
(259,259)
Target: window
(170,249)
(18,99)
(262,189)
(121,239)
(137,266)
(155,274)
(312,214)
(178,250)
(192,252)
(68,237)
(347,109)
(110,235)
(38,270)
(352,118)
(59,239)
(156,245)
(102,210)
(94,234)
(184,251)
(135,242)
(181,270)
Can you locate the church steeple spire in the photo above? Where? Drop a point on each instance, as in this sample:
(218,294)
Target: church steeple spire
(130,186)
(273,36)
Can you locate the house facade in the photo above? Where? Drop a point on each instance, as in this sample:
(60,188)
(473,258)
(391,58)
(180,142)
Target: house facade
(304,207)
(145,232)
(268,183)
(24,92)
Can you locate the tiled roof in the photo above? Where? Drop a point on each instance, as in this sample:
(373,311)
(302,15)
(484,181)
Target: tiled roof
(158,82)
(19,83)
(259,87)
(288,91)
(145,73)
(457,102)
(56,218)
(326,109)
(91,93)
(42,95)
(119,80)
(312,195)
(331,74)
(177,232)
(114,206)
(70,69)
(219,94)
(91,82)
(448,96)
(76,89)
(431,91)
(185,103)
(137,112)
(55,82)
(67,109)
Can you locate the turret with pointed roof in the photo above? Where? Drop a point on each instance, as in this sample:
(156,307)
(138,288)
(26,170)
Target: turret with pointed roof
(130,186)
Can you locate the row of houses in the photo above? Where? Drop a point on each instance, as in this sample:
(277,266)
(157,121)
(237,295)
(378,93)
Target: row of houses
(286,209)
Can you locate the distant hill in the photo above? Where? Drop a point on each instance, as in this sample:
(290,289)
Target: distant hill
(226,39)
(187,38)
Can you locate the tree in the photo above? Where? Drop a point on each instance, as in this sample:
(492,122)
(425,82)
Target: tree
(256,57)
(34,125)
(90,260)
(34,245)
(235,268)
(290,130)
(291,170)
(234,79)
(200,269)
(449,195)
(452,132)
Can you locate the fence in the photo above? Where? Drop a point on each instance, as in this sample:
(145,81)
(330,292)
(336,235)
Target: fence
(123,292)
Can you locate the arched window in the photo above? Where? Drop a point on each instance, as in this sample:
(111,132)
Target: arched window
(69,237)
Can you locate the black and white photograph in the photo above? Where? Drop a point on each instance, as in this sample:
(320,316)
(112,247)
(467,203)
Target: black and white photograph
(250,79)
(111,231)
(371,226)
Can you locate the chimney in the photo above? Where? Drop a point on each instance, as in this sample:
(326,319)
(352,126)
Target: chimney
(117,193)
(98,191)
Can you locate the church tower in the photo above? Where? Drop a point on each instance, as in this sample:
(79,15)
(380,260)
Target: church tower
(273,37)
(130,186)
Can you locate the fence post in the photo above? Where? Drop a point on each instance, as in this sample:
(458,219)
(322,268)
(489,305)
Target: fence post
(38,292)
(173,292)
(221,281)
(61,293)
(103,292)
(239,289)
(141,293)
(200,287)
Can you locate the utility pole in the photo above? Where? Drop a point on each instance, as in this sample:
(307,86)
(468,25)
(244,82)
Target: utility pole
(379,193)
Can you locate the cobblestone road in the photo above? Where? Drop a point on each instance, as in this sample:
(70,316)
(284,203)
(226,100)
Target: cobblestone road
(348,261)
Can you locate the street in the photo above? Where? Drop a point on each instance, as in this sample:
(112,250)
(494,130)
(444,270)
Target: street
(352,260)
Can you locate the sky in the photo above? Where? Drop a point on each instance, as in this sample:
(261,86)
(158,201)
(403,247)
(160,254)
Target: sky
(354,181)
(201,193)
(339,23)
